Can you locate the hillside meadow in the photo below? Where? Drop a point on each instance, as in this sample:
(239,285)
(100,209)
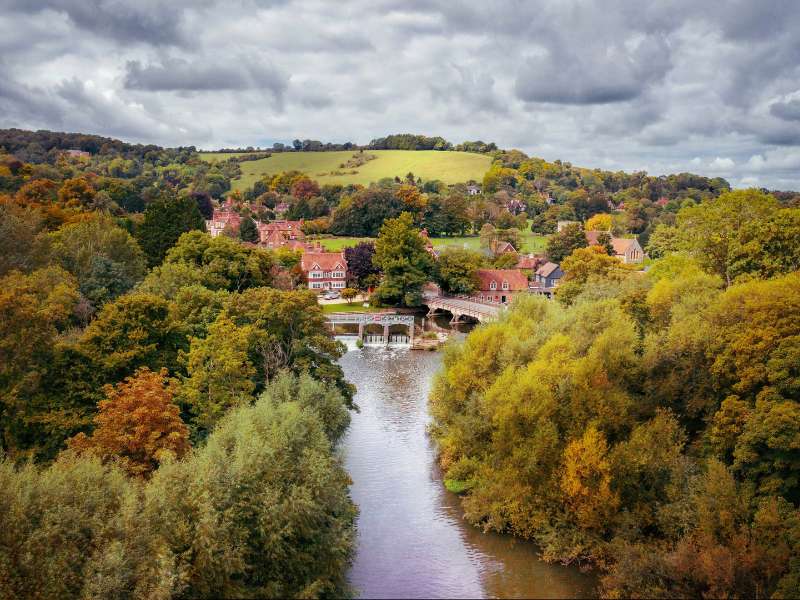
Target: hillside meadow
(450,167)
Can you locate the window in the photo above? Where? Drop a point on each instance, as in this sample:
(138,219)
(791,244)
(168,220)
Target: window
(315,275)
(493,285)
(338,274)
(505,285)
(338,284)
(315,285)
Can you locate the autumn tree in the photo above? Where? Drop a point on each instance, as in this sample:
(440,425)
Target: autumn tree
(76,192)
(598,222)
(349,294)
(137,424)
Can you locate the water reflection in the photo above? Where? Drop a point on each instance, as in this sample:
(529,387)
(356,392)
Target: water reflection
(412,539)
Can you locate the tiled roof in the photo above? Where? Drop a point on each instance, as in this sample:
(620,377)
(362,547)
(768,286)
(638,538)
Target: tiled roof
(516,279)
(326,261)
(547,269)
(529,262)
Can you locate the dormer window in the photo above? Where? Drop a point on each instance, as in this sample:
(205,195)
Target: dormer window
(505,285)
(493,285)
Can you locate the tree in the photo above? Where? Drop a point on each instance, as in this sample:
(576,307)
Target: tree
(289,332)
(561,244)
(586,481)
(220,374)
(712,232)
(104,258)
(349,294)
(76,192)
(137,424)
(456,270)
(400,253)
(663,240)
(248,231)
(165,220)
(359,263)
(598,222)
(304,188)
(204,204)
(135,330)
(604,242)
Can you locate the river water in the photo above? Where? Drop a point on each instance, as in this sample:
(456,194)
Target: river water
(412,539)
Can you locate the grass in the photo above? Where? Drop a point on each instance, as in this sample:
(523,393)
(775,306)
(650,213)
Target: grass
(531,242)
(450,167)
(348,308)
(337,244)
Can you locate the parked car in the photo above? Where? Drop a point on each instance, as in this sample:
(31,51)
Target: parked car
(331,295)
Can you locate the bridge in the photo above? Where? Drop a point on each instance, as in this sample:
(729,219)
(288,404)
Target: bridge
(384,320)
(459,308)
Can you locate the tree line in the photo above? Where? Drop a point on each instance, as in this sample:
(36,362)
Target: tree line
(647,424)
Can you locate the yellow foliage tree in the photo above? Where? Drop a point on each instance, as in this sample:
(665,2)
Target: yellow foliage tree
(600,222)
(586,481)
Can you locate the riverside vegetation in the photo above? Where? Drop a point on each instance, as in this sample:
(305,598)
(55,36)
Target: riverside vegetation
(170,404)
(647,423)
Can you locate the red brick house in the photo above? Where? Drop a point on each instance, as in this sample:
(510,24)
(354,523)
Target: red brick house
(324,270)
(499,286)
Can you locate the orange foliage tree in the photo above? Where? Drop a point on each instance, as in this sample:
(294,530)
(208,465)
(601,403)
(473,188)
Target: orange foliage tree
(138,424)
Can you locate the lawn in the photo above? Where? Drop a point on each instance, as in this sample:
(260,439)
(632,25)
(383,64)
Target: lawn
(531,242)
(348,308)
(450,167)
(336,244)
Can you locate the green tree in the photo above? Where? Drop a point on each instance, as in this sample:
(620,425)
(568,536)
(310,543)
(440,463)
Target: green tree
(349,294)
(561,244)
(400,253)
(220,375)
(248,232)
(165,220)
(456,270)
(104,258)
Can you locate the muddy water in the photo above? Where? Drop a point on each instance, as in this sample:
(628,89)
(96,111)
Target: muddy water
(412,540)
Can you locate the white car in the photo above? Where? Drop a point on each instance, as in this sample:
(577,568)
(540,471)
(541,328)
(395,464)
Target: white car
(331,295)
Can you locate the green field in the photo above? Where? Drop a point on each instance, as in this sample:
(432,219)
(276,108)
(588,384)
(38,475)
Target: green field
(531,242)
(450,167)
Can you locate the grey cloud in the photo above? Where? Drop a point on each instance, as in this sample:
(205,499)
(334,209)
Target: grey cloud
(175,74)
(788,111)
(145,21)
(594,74)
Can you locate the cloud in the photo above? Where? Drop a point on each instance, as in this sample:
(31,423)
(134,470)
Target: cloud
(175,74)
(708,87)
(788,111)
(593,73)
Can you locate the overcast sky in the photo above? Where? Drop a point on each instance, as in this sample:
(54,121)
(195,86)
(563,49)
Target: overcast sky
(707,86)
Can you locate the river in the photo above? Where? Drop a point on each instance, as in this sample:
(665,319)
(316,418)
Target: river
(412,539)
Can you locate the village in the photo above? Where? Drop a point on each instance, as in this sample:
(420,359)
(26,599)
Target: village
(326,272)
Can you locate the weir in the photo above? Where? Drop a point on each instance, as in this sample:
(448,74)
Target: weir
(368,322)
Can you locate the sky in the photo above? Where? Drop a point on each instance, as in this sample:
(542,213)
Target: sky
(706,86)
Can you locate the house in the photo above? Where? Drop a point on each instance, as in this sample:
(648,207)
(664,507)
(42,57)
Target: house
(498,247)
(547,276)
(473,190)
(627,250)
(530,262)
(499,286)
(281,208)
(222,218)
(292,230)
(324,270)
(77,153)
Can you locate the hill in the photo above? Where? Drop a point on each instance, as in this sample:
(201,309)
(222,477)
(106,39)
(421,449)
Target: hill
(450,167)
